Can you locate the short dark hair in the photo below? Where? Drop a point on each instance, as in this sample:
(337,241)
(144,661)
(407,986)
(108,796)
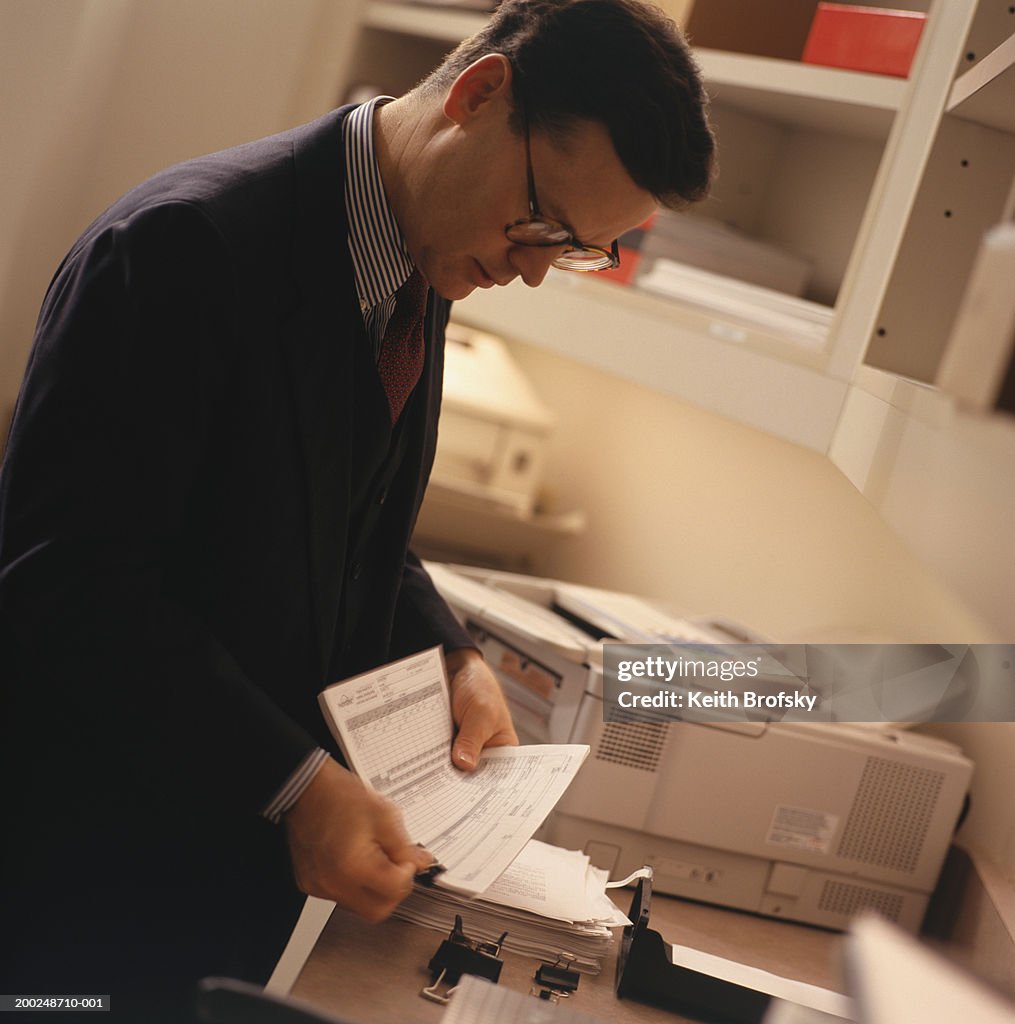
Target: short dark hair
(623,63)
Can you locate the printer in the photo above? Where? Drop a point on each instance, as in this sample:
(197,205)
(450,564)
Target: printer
(811,822)
(493,427)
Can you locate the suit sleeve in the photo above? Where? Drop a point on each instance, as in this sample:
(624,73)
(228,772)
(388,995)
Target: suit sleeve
(422,616)
(108,441)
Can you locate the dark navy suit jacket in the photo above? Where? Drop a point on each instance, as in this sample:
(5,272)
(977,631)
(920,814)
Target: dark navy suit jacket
(204,519)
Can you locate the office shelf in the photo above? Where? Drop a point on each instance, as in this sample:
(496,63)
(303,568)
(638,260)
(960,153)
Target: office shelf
(805,95)
(827,164)
(966,187)
(984,94)
(714,361)
(783,90)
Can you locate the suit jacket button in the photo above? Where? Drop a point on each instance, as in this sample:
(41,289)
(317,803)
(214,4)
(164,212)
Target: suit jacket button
(382,496)
(357,570)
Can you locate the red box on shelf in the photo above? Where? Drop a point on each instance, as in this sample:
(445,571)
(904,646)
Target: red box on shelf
(864,39)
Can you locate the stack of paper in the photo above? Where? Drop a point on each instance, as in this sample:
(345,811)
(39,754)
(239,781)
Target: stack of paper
(395,729)
(799,320)
(721,249)
(549,901)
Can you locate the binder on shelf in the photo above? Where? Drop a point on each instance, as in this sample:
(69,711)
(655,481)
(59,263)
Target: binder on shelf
(880,42)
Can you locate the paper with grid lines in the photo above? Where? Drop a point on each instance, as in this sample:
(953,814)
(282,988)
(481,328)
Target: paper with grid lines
(395,729)
(477,999)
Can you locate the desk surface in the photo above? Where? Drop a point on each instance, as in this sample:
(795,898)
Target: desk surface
(372,974)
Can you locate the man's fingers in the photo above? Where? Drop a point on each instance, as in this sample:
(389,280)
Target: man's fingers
(479,708)
(389,880)
(465,753)
(348,844)
(478,724)
(477,730)
(384,886)
(393,841)
(369,882)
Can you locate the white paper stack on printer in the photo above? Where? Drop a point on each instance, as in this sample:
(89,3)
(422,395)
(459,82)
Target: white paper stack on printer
(549,901)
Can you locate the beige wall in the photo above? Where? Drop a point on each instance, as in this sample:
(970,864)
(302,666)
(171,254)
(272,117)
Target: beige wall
(95,95)
(717,517)
(991,823)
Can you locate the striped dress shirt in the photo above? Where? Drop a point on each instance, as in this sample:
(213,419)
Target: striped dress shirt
(379,258)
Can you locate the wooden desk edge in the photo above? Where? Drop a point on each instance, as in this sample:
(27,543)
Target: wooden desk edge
(355,969)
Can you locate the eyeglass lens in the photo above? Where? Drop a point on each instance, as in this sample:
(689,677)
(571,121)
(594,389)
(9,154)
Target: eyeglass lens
(536,230)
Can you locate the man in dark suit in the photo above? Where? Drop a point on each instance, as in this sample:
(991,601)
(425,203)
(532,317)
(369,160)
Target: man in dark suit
(223,438)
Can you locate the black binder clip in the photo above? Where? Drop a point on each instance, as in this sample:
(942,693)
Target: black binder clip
(458,955)
(646,972)
(428,875)
(556,981)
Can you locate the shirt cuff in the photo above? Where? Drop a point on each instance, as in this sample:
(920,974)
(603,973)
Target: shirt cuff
(293,789)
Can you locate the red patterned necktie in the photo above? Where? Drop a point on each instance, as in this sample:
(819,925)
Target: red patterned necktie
(401,359)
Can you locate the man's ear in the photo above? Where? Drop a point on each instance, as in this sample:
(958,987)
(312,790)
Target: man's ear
(486,80)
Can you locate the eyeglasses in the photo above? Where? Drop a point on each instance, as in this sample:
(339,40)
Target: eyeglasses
(545,233)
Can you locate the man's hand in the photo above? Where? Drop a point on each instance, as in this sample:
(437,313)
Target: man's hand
(348,844)
(478,708)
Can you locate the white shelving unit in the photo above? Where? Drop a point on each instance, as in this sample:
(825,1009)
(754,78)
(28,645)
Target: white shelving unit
(805,95)
(937,472)
(965,188)
(825,163)
(984,94)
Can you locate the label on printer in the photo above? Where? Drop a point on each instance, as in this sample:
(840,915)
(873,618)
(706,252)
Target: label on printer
(802,828)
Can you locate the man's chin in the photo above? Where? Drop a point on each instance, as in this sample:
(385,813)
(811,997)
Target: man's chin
(453,291)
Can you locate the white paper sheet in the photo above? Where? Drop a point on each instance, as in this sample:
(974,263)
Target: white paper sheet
(395,729)
(307,931)
(555,883)
(799,992)
(477,999)
(896,977)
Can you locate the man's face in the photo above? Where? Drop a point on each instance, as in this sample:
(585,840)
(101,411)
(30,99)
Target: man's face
(479,185)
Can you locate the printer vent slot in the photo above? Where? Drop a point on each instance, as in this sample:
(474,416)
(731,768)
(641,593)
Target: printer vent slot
(634,744)
(891,812)
(847,899)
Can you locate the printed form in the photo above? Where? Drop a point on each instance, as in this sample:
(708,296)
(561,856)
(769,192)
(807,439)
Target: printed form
(395,729)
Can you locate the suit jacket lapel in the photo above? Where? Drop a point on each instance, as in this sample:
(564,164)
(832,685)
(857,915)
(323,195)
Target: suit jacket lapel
(319,341)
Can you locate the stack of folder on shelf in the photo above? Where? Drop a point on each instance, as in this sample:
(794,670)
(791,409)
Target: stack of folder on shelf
(551,902)
(798,320)
(725,250)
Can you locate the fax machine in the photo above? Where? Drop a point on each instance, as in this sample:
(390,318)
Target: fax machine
(812,822)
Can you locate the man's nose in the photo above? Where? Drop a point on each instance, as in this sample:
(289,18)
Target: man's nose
(532,262)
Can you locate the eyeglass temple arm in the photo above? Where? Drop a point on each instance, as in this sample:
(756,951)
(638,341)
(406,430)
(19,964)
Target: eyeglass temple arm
(533,199)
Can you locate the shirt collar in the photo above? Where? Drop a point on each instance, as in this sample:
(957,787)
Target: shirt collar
(380,260)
